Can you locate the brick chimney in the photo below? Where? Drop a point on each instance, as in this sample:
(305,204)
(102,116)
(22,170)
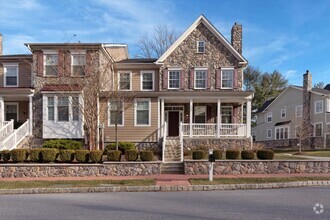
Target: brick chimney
(307,88)
(0,44)
(236,37)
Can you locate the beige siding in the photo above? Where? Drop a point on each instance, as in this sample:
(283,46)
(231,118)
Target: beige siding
(129,132)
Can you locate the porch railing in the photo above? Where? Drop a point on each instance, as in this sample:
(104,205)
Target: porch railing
(181,140)
(164,140)
(6,129)
(212,130)
(16,137)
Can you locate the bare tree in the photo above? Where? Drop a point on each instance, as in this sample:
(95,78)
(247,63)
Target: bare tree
(319,85)
(156,43)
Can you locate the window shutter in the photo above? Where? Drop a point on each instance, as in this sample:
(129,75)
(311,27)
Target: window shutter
(67,63)
(88,69)
(218,79)
(208,114)
(235,78)
(40,63)
(60,65)
(191,78)
(165,78)
(235,115)
(208,79)
(182,80)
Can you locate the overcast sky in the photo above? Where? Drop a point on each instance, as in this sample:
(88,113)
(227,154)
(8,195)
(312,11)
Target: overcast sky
(290,36)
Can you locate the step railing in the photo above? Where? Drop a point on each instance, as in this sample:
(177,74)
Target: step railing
(6,129)
(16,137)
(181,141)
(164,140)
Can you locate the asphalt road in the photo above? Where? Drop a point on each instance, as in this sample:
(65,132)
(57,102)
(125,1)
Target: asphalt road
(294,203)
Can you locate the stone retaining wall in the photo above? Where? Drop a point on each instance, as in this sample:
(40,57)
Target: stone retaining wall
(257,167)
(79,170)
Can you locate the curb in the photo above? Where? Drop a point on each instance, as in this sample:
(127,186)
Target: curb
(163,188)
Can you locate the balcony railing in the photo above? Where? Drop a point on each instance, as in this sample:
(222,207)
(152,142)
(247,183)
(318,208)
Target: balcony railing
(213,130)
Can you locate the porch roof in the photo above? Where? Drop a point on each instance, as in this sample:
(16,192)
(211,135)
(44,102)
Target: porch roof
(16,91)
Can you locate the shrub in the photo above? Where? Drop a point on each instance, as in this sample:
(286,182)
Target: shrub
(18,155)
(35,154)
(247,154)
(131,155)
(146,155)
(217,154)
(82,156)
(122,146)
(5,155)
(49,155)
(67,155)
(63,144)
(232,154)
(96,155)
(186,152)
(114,155)
(198,154)
(265,154)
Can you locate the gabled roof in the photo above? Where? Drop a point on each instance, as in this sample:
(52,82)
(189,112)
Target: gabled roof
(265,105)
(221,38)
(138,60)
(316,91)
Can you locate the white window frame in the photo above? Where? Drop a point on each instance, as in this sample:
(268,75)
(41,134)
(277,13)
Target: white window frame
(72,106)
(195,78)
(232,80)
(269,115)
(315,108)
(109,115)
(135,110)
(203,106)
(153,79)
(168,77)
(197,46)
(231,111)
(271,133)
(73,53)
(17,109)
(299,106)
(318,123)
(51,106)
(282,128)
(130,80)
(283,111)
(49,52)
(69,106)
(328,105)
(5,65)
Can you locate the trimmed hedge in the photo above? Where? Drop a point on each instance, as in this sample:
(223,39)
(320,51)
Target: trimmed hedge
(96,156)
(82,156)
(5,155)
(114,155)
(49,155)
(265,154)
(35,154)
(122,146)
(63,144)
(18,155)
(232,154)
(146,155)
(247,154)
(131,155)
(198,154)
(67,155)
(217,154)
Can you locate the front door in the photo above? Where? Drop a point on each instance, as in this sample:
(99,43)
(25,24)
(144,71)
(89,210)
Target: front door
(173,123)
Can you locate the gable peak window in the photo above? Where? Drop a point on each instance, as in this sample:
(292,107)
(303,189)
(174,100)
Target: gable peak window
(269,117)
(200,46)
(78,64)
(200,78)
(51,64)
(11,74)
(227,78)
(283,113)
(124,80)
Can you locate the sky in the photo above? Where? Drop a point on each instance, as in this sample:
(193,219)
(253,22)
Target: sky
(287,35)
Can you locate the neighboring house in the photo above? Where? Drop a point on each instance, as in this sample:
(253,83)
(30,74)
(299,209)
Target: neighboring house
(297,111)
(192,93)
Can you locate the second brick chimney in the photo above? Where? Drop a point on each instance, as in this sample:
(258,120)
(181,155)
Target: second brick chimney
(307,88)
(236,37)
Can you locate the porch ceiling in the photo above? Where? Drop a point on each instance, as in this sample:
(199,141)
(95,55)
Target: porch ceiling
(15,93)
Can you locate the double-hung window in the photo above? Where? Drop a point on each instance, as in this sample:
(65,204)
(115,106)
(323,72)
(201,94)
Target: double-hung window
(226,114)
(299,111)
(78,64)
(142,112)
(50,108)
(75,108)
(283,113)
(116,113)
(124,80)
(281,133)
(174,79)
(200,46)
(318,129)
(51,64)
(269,117)
(227,75)
(318,106)
(269,133)
(11,74)
(200,114)
(200,78)
(147,80)
(63,109)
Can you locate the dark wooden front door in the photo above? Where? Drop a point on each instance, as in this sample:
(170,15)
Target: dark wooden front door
(173,124)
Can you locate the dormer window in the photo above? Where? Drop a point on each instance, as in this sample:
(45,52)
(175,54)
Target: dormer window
(200,46)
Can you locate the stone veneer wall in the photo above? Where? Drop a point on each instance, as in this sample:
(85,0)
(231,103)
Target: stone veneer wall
(256,167)
(217,143)
(312,143)
(79,170)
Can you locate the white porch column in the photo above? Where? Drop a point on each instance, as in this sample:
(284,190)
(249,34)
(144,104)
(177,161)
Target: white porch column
(2,111)
(248,118)
(30,115)
(190,117)
(162,112)
(218,117)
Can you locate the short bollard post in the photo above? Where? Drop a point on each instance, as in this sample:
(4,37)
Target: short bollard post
(211,160)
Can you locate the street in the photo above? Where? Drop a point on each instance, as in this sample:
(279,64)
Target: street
(291,203)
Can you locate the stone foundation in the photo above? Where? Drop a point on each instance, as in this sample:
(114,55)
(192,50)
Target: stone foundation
(217,143)
(256,167)
(79,170)
(313,143)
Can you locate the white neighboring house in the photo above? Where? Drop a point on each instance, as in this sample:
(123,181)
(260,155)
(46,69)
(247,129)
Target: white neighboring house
(281,117)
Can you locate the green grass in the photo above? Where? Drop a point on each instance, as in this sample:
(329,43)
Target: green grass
(317,153)
(248,180)
(285,156)
(74,183)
